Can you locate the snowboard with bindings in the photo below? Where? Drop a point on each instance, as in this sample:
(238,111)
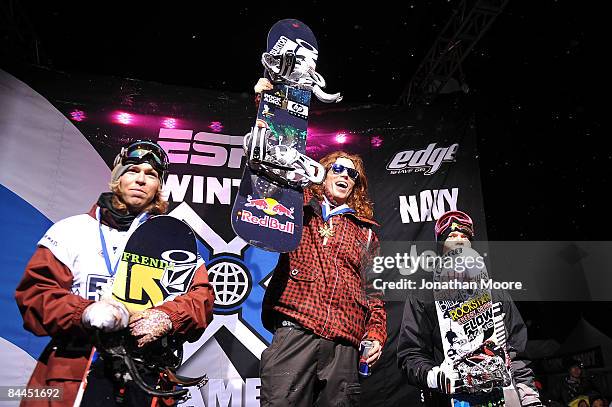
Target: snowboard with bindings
(471,329)
(268,209)
(158,263)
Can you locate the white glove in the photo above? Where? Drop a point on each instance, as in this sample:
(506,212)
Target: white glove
(106,315)
(262,84)
(445,379)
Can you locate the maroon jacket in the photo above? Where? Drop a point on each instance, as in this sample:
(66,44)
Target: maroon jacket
(323,287)
(49,308)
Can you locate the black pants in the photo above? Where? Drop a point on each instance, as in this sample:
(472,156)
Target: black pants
(102,390)
(302,369)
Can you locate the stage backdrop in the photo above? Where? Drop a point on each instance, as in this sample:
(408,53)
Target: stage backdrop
(59,133)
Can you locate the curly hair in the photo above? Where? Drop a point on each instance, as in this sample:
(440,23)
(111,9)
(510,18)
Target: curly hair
(358,199)
(158,205)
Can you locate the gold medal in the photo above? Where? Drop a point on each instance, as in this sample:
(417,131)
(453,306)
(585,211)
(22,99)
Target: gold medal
(326,231)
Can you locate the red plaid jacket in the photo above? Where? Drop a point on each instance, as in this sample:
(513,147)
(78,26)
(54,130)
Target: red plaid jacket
(324,287)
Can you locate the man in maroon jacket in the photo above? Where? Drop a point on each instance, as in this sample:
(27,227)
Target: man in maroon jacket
(58,296)
(318,303)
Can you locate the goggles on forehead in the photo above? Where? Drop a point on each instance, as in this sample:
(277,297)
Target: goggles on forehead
(143,151)
(339,169)
(455,220)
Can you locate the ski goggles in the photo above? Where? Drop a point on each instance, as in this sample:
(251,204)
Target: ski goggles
(339,169)
(142,151)
(460,218)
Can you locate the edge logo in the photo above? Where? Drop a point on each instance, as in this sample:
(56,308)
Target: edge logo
(428,161)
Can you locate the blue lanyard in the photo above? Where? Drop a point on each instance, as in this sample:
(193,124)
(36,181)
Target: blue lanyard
(139,220)
(328,213)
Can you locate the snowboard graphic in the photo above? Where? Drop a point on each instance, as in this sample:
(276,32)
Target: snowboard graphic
(158,263)
(472,339)
(268,210)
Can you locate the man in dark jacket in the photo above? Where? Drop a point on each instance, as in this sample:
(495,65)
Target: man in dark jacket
(420,347)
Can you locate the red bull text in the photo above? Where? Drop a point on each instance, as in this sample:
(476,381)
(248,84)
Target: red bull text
(270,206)
(267,222)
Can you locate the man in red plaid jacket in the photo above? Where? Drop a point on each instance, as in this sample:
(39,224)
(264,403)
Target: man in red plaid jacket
(319,303)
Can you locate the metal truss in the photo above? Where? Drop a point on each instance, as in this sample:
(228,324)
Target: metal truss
(469,22)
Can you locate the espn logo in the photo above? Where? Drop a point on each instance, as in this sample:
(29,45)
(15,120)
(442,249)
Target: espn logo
(211,149)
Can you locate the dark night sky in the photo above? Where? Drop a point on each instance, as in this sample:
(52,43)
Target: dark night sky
(535,79)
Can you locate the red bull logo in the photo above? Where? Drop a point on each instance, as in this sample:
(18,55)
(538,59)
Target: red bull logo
(270,206)
(267,222)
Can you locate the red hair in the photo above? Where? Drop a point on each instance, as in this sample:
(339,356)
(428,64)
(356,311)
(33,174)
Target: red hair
(358,199)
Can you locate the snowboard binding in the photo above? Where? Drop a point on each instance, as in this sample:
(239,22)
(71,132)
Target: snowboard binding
(295,71)
(279,161)
(484,369)
(160,359)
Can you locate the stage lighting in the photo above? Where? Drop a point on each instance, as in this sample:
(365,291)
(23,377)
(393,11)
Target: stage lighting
(216,126)
(376,141)
(169,123)
(124,118)
(341,138)
(78,115)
